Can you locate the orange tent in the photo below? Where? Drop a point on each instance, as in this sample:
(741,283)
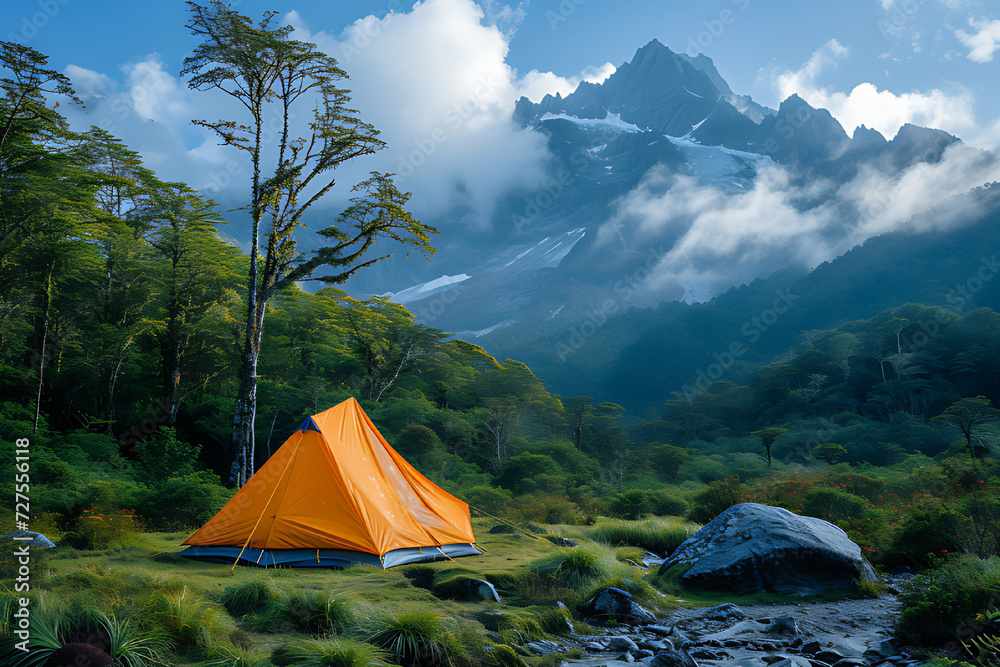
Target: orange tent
(335,494)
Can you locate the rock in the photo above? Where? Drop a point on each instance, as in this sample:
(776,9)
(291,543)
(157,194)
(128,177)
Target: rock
(791,661)
(481,589)
(644,653)
(621,644)
(881,650)
(771,659)
(811,648)
(543,647)
(593,646)
(783,625)
(657,645)
(33,539)
(673,659)
(829,656)
(753,548)
(658,629)
(724,612)
(562,541)
(614,603)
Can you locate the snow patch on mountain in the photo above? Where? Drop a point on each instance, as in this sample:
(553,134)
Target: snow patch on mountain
(611,119)
(424,290)
(722,167)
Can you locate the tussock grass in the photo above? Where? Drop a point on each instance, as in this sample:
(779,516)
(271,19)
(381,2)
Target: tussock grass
(330,652)
(414,637)
(660,536)
(248,596)
(579,567)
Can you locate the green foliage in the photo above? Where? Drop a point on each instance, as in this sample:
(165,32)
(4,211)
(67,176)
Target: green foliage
(504,656)
(829,452)
(248,596)
(333,652)
(716,498)
(104,526)
(578,567)
(927,532)
(942,604)
(413,638)
(314,612)
(655,535)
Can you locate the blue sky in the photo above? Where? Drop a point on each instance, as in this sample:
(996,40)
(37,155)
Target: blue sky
(878,62)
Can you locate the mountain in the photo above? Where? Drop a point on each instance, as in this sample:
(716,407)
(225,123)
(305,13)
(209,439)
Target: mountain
(671,209)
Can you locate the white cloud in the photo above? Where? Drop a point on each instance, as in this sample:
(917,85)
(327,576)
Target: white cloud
(718,241)
(155,94)
(436,83)
(866,105)
(983,43)
(89,85)
(535,85)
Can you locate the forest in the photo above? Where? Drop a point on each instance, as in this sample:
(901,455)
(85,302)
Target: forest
(124,320)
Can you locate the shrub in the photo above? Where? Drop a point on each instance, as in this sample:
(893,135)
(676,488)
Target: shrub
(716,498)
(630,505)
(104,526)
(176,503)
(941,605)
(488,499)
(833,505)
(666,503)
(927,531)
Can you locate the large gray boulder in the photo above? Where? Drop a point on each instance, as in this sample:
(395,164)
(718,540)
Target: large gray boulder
(753,548)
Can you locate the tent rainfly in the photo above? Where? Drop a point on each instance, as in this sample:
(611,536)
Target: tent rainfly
(333,495)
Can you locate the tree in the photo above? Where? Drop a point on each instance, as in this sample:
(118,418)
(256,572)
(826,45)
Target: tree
(767,437)
(577,410)
(265,70)
(968,415)
(45,203)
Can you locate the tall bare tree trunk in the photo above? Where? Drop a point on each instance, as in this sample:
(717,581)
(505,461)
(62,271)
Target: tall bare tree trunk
(45,339)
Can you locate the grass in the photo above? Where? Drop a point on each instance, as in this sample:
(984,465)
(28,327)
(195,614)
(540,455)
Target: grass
(248,596)
(660,536)
(330,652)
(413,638)
(213,614)
(580,567)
